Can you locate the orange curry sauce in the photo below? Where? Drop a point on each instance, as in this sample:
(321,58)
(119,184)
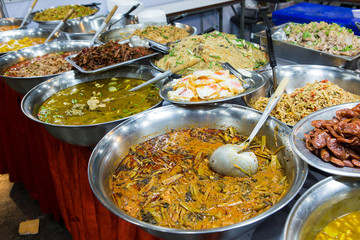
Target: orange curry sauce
(167,181)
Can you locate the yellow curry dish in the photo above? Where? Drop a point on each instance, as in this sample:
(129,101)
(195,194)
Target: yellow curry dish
(98,101)
(167,181)
(346,227)
(17,44)
(58,13)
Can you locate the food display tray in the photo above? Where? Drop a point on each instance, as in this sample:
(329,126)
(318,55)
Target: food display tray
(70,60)
(125,32)
(303,55)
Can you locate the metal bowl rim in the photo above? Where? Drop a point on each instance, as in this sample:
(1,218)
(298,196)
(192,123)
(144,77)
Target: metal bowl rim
(300,177)
(317,186)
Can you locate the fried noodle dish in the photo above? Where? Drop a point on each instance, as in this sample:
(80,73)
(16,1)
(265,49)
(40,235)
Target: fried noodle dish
(337,140)
(294,106)
(162,34)
(167,181)
(322,36)
(213,49)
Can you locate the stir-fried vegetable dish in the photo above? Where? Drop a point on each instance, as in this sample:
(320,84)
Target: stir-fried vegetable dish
(14,45)
(294,106)
(98,101)
(213,49)
(326,37)
(58,13)
(344,227)
(53,63)
(167,181)
(162,34)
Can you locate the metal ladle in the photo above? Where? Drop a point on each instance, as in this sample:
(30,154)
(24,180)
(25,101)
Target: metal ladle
(103,25)
(232,159)
(61,23)
(28,13)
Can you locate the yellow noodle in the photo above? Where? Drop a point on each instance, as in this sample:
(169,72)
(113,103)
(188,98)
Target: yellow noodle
(213,49)
(303,101)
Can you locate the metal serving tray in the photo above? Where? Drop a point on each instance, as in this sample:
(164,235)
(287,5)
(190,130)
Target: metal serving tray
(125,32)
(302,55)
(71,57)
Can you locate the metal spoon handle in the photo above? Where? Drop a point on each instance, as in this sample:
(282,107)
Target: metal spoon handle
(28,13)
(269,107)
(103,25)
(167,73)
(125,15)
(61,23)
(247,82)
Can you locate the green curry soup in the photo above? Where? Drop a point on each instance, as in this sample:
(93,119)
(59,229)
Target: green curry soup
(98,101)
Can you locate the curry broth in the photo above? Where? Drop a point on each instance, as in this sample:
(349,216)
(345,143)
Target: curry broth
(98,101)
(167,181)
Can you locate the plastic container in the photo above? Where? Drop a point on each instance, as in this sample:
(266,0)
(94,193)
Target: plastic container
(157,16)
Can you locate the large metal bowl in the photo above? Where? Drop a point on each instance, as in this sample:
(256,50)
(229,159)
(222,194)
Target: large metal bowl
(322,203)
(160,120)
(23,84)
(301,74)
(81,135)
(53,24)
(84,29)
(297,141)
(125,32)
(18,34)
(13,22)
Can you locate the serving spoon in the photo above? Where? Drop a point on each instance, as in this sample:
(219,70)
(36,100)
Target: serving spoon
(125,15)
(232,159)
(166,74)
(61,23)
(246,81)
(103,25)
(28,13)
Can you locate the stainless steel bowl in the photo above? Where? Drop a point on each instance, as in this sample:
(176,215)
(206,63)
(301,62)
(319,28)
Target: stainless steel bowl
(301,74)
(297,141)
(84,29)
(22,33)
(160,120)
(23,84)
(13,22)
(322,203)
(304,55)
(53,24)
(81,135)
(125,32)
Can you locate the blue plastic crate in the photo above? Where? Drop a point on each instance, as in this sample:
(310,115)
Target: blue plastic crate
(308,12)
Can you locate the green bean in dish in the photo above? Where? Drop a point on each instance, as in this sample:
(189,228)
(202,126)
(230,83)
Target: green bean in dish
(98,101)
(58,13)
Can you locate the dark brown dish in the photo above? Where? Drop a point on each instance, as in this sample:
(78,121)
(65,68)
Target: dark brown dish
(337,140)
(96,57)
